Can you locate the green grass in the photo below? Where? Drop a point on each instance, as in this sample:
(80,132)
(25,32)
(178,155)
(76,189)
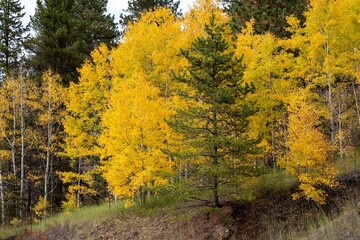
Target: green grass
(270,182)
(276,180)
(96,213)
(349,164)
(250,188)
(77,217)
(7,232)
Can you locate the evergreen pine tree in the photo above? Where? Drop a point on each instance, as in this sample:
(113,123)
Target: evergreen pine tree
(269,15)
(55,43)
(136,7)
(66,32)
(94,25)
(216,119)
(12,34)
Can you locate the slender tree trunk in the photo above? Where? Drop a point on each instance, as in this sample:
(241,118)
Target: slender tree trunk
(332,125)
(142,192)
(273,157)
(47,167)
(48,155)
(2,201)
(341,148)
(215,201)
(330,105)
(142,188)
(215,163)
(22,128)
(79,184)
(51,179)
(12,143)
(356,100)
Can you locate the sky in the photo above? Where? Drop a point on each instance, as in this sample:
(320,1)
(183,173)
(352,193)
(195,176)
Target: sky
(114,7)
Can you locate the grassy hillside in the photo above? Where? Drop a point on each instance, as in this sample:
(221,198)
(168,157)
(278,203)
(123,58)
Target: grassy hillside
(270,214)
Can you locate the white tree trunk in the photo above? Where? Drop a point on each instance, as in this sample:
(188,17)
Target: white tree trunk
(341,147)
(48,154)
(2,201)
(356,100)
(12,143)
(79,183)
(22,129)
(330,106)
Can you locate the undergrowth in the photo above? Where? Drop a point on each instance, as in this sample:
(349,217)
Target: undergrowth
(315,222)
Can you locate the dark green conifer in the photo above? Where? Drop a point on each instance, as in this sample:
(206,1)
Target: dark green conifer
(12,35)
(269,15)
(66,32)
(136,7)
(215,122)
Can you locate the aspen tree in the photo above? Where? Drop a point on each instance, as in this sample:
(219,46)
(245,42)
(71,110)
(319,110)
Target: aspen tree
(134,136)
(51,113)
(86,102)
(311,165)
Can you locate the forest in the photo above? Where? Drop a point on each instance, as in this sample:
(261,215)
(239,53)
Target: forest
(205,101)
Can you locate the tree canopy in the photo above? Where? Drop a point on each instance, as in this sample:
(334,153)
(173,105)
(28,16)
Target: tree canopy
(65,33)
(12,35)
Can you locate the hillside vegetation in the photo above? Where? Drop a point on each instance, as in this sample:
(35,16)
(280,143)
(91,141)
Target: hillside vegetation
(187,127)
(271,215)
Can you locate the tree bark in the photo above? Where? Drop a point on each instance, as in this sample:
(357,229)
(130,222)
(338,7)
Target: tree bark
(341,148)
(48,154)
(215,163)
(2,201)
(330,105)
(356,100)
(22,129)
(12,143)
(79,183)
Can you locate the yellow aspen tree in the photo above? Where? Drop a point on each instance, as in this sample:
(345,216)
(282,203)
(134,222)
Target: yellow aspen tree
(86,102)
(267,67)
(6,118)
(19,98)
(308,151)
(325,47)
(133,139)
(9,115)
(196,18)
(28,97)
(151,47)
(51,113)
(76,189)
(4,156)
(2,199)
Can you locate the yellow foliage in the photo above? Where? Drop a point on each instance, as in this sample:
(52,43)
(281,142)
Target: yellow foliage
(135,133)
(199,15)
(84,188)
(39,207)
(308,151)
(269,69)
(86,101)
(70,203)
(15,222)
(151,47)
